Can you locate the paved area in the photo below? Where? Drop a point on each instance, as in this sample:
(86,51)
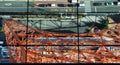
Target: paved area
(9,6)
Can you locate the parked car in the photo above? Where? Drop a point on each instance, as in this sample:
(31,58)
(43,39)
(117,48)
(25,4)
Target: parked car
(82,4)
(109,3)
(61,5)
(97,4)
(5,52)
(73,5)
(42,5)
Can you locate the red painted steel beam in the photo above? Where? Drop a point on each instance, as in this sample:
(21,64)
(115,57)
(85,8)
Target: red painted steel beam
(15,33)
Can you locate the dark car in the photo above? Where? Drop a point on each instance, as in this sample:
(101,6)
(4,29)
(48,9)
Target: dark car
(71,5)
(42,5)
(97,4)
(61,5)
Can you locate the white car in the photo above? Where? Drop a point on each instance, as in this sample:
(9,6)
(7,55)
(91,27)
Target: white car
(4,52)
(1,42)
(119,3)
(82,4)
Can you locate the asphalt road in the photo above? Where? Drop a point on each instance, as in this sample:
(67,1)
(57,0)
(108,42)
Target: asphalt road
(15,4)
(9,6)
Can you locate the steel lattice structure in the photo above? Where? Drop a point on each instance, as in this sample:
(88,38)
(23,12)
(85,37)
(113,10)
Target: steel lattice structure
(27,44)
